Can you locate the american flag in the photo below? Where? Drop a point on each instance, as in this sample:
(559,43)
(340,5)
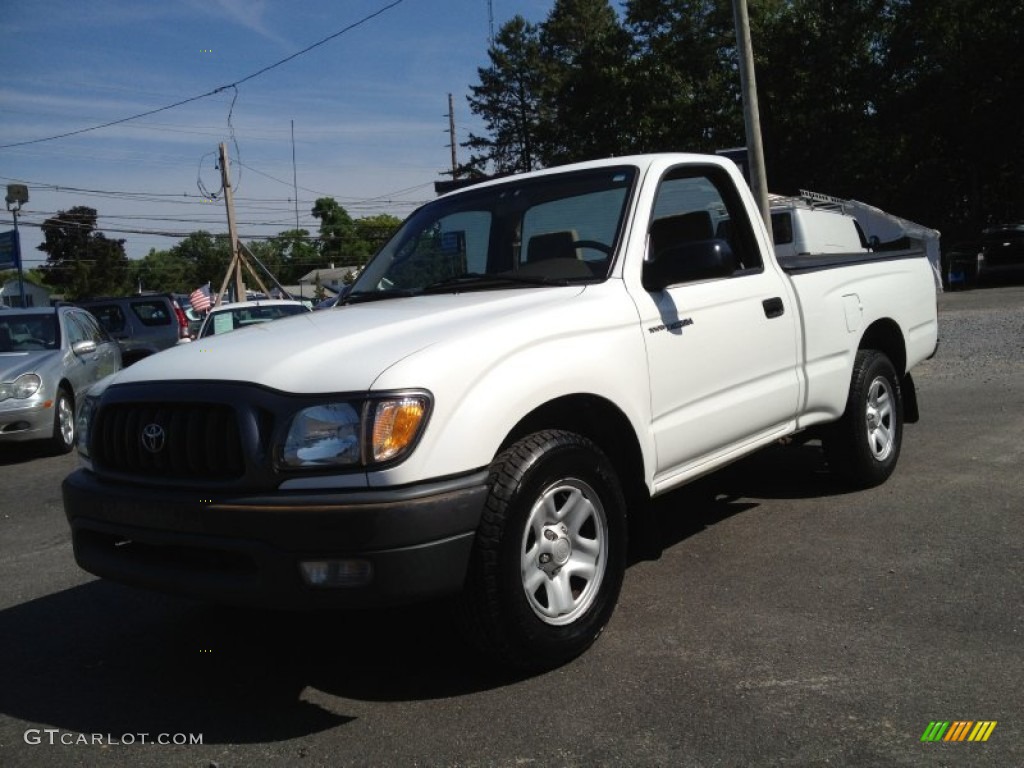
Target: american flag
(200,298)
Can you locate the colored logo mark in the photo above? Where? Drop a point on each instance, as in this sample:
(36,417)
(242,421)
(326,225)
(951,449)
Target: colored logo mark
(958,730)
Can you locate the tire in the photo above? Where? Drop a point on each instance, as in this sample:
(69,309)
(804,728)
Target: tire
(864,445)
(549,555)
(63,438)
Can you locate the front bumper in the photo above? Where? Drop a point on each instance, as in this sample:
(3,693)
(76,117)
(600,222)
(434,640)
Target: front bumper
(246,550)
(20,422)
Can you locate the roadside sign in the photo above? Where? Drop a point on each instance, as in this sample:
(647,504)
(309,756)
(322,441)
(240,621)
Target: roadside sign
(10,253)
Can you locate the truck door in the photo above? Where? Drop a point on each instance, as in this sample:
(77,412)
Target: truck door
(722,343)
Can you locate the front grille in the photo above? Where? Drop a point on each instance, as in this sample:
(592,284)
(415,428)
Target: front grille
(169,440)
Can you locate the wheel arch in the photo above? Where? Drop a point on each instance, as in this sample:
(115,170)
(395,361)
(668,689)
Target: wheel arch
(886,336)
(66,385)
(602,422)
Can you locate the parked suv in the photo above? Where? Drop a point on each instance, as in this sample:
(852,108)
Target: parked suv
(1002,248)
(141,324)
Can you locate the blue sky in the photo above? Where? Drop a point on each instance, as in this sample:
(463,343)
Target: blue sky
(369,107)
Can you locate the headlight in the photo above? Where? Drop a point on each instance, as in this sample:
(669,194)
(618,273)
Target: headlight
(83,421)
(354,434)
(323,434)
(24,386)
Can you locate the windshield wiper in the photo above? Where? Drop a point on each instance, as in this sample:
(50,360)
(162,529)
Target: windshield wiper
(478,280)
(388,293)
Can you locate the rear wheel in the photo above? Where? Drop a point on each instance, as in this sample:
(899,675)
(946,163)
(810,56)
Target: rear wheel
(864,445)
(549,556)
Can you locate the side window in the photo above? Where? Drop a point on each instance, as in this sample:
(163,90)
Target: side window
(151,312)
(699,217)
(91,328)
(110,316)
(75,330)
(782,228)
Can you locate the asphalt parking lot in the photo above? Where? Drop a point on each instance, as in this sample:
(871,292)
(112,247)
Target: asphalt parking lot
(784,622)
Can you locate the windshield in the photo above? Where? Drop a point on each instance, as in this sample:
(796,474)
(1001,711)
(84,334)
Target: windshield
(25,332)
(234,318)
(548,230)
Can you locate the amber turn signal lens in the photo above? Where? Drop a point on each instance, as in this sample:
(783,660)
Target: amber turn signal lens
(396,424)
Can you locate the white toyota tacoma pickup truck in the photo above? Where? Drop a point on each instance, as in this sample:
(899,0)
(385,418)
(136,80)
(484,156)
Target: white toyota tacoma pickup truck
(518,371)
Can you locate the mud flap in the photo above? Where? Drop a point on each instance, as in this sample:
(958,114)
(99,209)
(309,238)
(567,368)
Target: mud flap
(911,415)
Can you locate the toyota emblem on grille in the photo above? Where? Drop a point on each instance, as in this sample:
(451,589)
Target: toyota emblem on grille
(153,438)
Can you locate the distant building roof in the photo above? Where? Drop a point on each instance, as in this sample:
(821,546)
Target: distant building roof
(308,291)
(328,275)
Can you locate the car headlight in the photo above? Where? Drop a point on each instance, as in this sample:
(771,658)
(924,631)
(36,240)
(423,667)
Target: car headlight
(354,434)
(83,422)
(24,386)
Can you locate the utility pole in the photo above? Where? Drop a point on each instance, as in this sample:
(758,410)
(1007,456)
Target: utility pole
(295,178)
(17,196)
(229,202)
(451,135)
(751,115)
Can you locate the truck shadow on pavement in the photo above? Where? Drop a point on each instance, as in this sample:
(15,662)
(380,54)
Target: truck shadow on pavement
(794,470)
(22,453)
(103,658)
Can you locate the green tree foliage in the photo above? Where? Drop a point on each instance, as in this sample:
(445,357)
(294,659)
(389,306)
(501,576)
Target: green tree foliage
(339,243)
(952,104)
(345,241)
(80,261)
(165,272)
(207,258)
(683,90)
(375,231)
(552,93)
(585,53)
(509,99)
(908,104)
(294,254)
(819,74)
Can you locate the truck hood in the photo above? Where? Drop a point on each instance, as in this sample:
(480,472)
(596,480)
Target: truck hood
(343,349)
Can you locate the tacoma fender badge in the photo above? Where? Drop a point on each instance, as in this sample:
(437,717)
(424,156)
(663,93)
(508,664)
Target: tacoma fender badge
(675,326)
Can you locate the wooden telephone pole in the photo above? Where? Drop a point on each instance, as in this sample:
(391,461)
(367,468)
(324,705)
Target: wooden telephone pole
(751,114)
(451,136)
(239,262)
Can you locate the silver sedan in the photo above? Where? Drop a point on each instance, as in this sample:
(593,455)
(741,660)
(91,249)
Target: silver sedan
(49,359)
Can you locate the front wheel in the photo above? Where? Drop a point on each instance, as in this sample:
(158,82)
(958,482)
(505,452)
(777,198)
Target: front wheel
(63,438)
(864,445)
(550,553)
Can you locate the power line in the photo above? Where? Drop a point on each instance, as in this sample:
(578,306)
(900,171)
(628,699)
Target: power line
(215,91)
(189,198)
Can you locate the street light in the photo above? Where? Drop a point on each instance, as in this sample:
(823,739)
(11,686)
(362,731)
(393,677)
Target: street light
(17,196)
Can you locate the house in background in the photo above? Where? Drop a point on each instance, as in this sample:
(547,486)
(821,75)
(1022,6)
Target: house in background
(35,296)
(332,279)
(306,291)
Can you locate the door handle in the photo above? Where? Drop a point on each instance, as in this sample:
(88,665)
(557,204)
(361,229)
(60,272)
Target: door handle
(773,307)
